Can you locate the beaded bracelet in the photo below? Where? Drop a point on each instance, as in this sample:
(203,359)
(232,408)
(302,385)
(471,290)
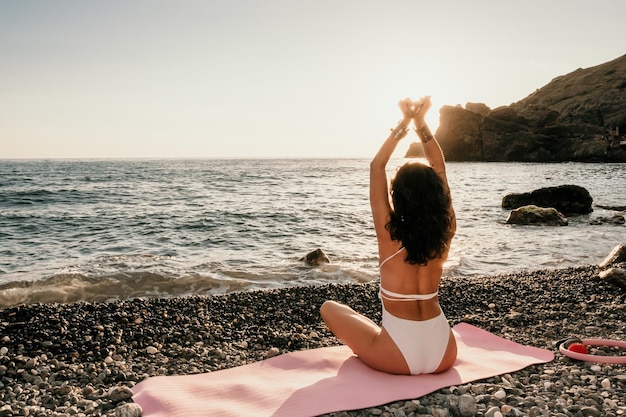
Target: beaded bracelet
(399,131)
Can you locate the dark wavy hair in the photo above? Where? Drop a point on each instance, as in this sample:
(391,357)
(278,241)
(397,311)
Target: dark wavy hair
(421,218)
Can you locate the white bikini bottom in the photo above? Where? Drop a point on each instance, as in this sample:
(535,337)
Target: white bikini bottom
(422,343)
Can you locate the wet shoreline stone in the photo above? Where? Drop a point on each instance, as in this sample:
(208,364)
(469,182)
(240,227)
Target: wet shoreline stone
(82,359)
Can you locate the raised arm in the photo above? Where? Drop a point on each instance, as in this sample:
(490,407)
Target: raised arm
(379,192)
(432,151)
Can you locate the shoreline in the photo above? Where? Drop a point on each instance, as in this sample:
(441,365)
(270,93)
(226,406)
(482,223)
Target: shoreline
(81,359)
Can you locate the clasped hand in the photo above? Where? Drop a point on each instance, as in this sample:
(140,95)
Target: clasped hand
(415,110)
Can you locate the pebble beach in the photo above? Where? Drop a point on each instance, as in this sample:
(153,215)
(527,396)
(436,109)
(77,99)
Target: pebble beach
(82,359)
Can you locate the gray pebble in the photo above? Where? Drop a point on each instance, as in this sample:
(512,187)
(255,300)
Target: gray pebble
(128,410)
(491,412)
(117,394)
(467,405)
(272,352)
(590,412)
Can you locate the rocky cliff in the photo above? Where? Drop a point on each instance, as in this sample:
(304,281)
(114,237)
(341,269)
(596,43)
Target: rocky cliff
(580,116)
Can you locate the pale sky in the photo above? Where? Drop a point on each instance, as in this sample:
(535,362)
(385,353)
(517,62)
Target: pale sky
(272,78)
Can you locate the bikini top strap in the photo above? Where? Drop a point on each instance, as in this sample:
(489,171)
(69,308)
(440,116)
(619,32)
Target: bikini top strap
(395,296)
(388,258)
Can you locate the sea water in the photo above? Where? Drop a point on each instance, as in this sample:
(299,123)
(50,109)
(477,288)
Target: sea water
(101,230)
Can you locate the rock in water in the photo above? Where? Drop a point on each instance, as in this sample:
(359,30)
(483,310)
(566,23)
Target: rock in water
(617,219)
(533,215)
(568,199)
(315,258)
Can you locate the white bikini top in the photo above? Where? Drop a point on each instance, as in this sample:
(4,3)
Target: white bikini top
(395,296)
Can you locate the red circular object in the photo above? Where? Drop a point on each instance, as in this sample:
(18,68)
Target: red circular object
(578,348)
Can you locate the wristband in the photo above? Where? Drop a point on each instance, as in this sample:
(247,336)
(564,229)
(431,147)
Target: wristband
(424,134)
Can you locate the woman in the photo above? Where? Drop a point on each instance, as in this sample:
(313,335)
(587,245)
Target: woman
(414,231)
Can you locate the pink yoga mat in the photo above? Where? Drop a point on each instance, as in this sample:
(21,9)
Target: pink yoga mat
(325,380)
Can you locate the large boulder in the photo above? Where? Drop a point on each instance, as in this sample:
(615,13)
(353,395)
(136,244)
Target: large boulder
(568,199)
(540,216)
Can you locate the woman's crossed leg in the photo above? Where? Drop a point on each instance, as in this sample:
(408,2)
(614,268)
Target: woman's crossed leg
(371,343)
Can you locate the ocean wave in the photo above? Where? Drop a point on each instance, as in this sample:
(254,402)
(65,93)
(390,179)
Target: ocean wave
(119,277)
(41,196)
(68,288)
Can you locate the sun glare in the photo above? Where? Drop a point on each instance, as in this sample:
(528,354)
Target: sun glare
(381,102)
(442,92)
